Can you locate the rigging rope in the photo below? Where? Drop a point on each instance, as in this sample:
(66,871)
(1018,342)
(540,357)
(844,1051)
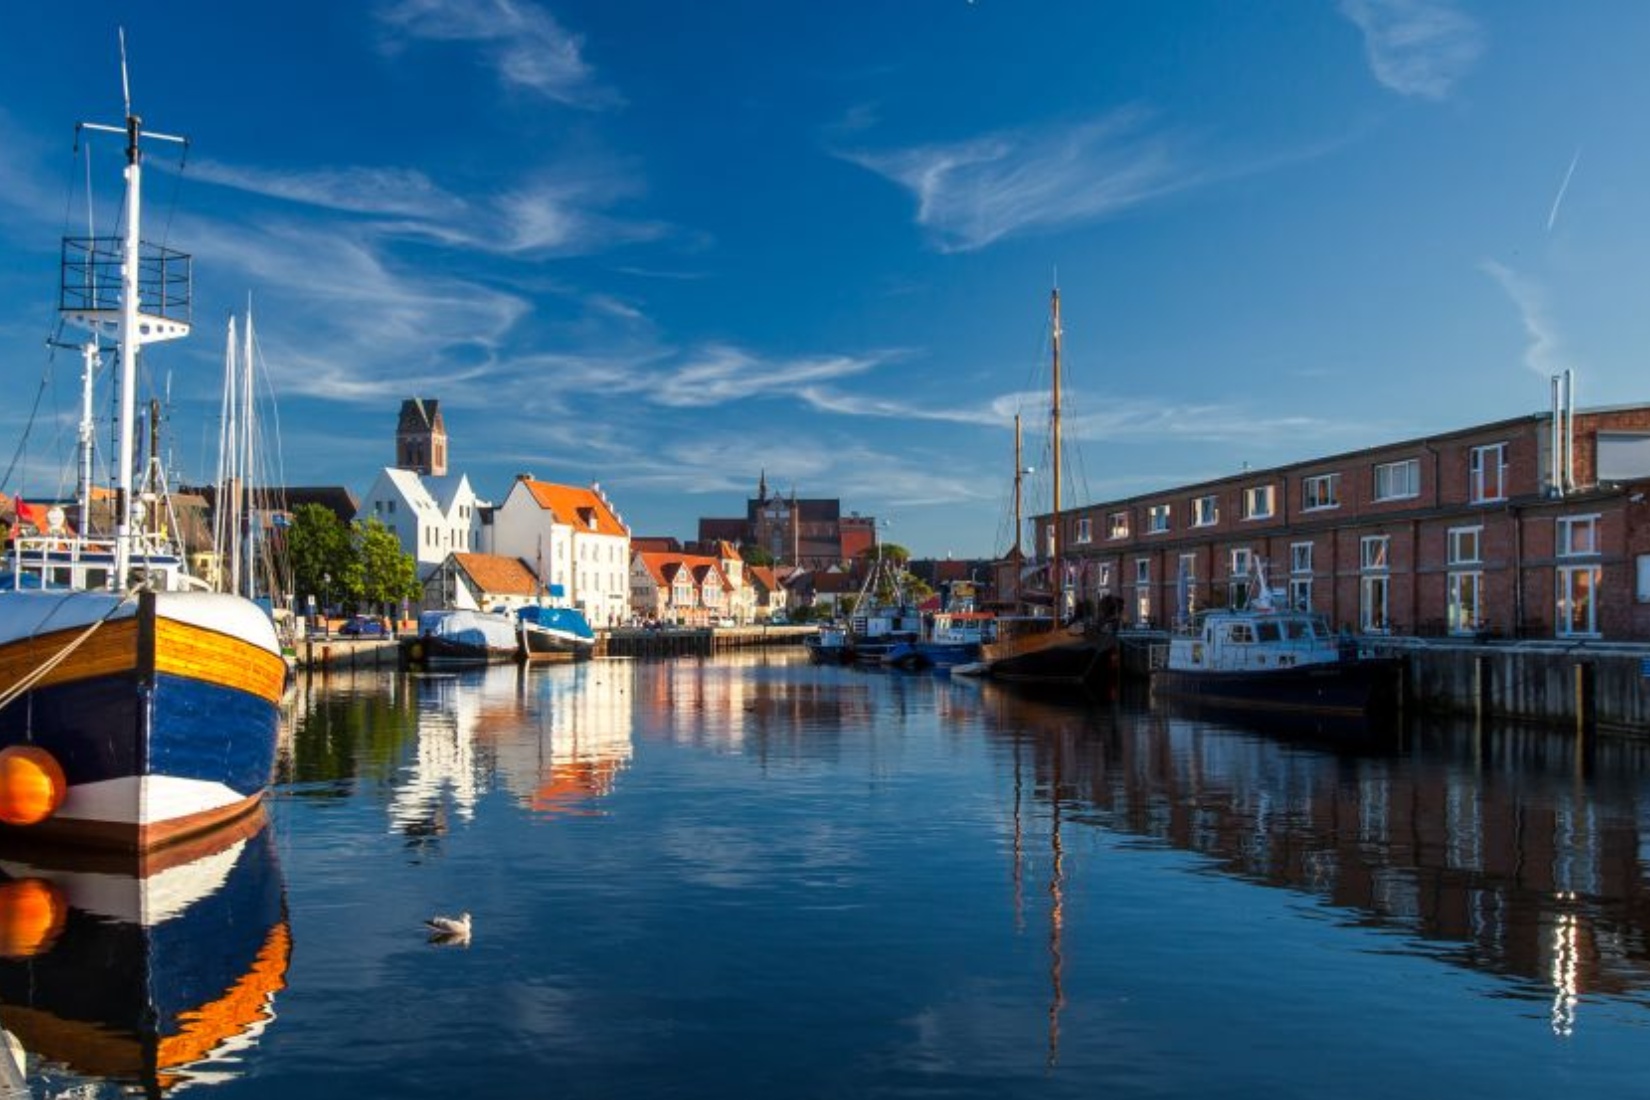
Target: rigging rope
(22,686)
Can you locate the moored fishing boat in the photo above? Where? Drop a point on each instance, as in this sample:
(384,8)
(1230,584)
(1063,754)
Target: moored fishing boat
(555,634)
(136,708)
(1054,648)
(464,637)
(1270,658)
(951,639)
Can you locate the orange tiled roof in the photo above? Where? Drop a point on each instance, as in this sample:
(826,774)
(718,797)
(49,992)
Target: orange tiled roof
(583,509)
(498,576)
(663,567)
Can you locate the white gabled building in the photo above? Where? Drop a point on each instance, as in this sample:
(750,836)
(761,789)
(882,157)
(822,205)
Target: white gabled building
(431,516)
(574,539)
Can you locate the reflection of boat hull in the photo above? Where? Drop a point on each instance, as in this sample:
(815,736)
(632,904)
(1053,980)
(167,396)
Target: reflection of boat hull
(1359,688)
(1065,655)
(154,968)
(163,718)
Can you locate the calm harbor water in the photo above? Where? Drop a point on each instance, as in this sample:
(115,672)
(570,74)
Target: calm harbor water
(750,876)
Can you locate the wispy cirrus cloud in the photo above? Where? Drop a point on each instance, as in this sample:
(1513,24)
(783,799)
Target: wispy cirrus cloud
(720,373)
(1417,48)
(525,45)
(1545,353)
(547,213)
(972,193)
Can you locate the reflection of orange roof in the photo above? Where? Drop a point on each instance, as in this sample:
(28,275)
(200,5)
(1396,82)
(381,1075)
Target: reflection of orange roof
(570,784)
(497,575)
(580,508)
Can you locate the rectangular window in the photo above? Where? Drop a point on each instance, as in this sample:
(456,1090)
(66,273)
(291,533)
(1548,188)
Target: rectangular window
(1643,586)
(1300,593)
(1487,473)
(1464,545)
(389,506)
(1257,502)
(1374,550)
(1117,525)
(1398,480)
(1465,594)
(1240,561)
(1205,511)
(1186,587)
(1322,491)
(1142,571)
(1157,519)
(1048,542)
(1085,530)
(1577,603)
(1577,536)
(1300,557)
(1372,603)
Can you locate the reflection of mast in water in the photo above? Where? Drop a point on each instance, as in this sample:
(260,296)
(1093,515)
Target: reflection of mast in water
(1019,847)
(1056,919)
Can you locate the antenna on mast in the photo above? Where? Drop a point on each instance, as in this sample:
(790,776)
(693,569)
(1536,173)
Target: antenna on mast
(125,83)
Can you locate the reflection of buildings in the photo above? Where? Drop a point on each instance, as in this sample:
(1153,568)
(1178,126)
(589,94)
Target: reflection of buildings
(1531,868)
(153,974)
(574,738)
(551,735)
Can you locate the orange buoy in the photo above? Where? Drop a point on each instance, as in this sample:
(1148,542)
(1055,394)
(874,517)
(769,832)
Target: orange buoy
(32,912)
(31,785)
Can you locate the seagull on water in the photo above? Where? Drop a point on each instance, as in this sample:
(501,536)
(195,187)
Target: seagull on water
(450,926)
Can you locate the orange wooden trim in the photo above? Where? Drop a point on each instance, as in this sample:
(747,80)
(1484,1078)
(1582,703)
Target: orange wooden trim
(184,649)
(111,649)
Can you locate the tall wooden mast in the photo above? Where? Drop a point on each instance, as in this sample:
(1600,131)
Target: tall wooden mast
(1057,583)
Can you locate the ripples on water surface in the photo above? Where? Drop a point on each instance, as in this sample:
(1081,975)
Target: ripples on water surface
(755,877)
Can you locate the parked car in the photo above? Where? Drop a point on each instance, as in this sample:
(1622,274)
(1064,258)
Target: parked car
(779,618)
(364,626)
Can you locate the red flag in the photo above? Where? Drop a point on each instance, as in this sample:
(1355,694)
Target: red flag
(33,514)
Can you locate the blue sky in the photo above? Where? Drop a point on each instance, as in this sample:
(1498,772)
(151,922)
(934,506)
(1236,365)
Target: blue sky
(666,246)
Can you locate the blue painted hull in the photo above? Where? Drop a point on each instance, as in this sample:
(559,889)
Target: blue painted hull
(1364,688)
(112,727)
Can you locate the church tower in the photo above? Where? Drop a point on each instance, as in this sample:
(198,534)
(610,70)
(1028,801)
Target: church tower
(421,438)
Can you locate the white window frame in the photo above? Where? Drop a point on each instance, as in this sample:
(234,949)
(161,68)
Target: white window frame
(1085,530)
(1143,590)
(1158,518)
(1240,561)
(1375,553)
(1117,525)
(1300,557)
(1487,473)
(1300,593)
(1466,545)
(1568,620)
(1564,537)
(1260,502)
(1321,491)
(1373,590)
(1465,606)
(1205,511)
(1405,487)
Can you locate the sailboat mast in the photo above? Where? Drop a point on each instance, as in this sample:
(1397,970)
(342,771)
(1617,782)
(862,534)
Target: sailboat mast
(88,434)
(1019,476)
(1058,581)
(244,462)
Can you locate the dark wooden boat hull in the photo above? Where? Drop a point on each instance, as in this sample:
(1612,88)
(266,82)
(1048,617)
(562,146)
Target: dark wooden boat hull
(1364,688)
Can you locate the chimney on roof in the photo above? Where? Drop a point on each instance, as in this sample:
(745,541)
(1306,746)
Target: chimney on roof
(524,477)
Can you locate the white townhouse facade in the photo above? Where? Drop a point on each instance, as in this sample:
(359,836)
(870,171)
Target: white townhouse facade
(573,539)
(431,516)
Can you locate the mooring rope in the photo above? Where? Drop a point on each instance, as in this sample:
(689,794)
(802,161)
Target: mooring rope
(17,690)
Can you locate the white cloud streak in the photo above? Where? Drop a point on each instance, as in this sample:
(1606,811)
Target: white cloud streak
(721,373)
(523,43)
(972,193)
(1545,354)
(1563,188)
(1418,48)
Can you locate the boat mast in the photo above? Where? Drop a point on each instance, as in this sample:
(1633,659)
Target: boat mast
(88,433)
(131,324)
(1058,583)
(244,465)
(1019,476)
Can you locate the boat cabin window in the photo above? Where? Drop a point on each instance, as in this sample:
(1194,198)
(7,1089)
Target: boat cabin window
(62,577)
(97,578)
(1298,629)
(1268,631)
(1240,634)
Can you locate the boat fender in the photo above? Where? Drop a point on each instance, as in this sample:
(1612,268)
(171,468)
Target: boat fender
(32,786)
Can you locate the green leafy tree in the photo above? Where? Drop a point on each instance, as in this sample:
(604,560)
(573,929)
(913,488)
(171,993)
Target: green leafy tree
(321,551)
(385,574)
(754,554)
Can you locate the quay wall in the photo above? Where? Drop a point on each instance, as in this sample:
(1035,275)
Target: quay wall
(695,641)
(1583,685)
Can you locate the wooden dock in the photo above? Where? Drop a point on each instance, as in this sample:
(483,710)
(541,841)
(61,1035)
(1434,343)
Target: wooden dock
(346,652)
